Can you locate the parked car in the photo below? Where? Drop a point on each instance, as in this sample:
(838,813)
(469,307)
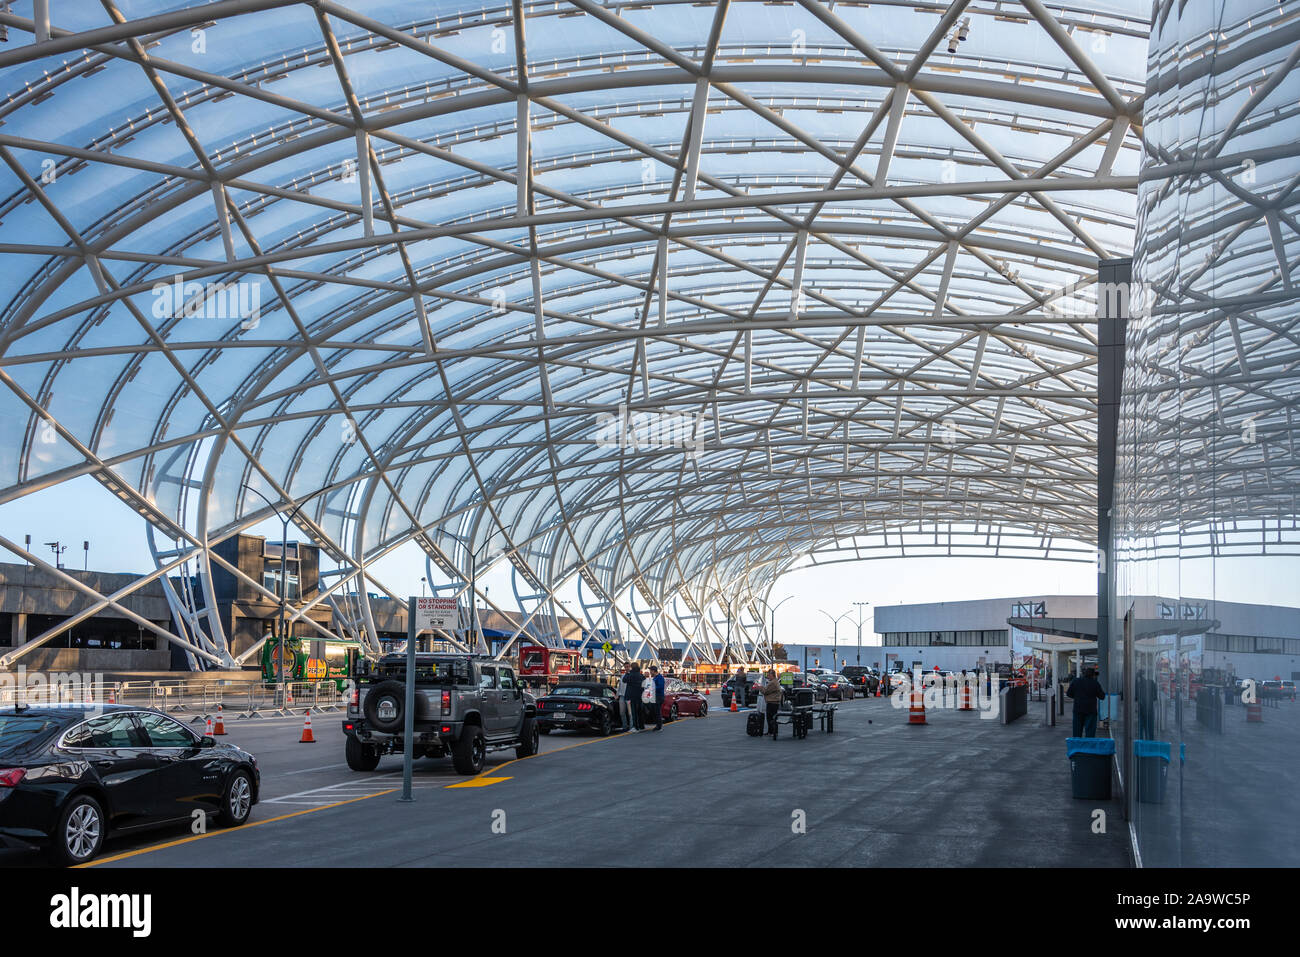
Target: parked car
(580,706)
(753,690)
(864,680)
(680,699)
(465,706)
(71,776)
(837,687)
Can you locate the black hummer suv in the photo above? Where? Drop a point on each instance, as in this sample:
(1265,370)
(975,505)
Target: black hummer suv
(465,706)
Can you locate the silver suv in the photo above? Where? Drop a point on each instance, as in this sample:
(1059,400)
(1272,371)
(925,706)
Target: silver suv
(465,706)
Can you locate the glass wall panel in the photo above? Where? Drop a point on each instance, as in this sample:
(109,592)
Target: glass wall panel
(1207,579)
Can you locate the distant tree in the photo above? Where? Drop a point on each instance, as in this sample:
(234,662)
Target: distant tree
(778,652)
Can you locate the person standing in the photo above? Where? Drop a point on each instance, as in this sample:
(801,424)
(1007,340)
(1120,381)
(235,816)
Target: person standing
(634,681)
(657,680)
(1086,692)
(772,695)
(739,690)
(623,711)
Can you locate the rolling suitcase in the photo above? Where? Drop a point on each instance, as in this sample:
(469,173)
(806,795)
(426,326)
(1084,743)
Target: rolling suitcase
(754,724)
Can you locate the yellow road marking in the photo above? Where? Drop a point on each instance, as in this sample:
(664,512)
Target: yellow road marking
(479,782)
(228,830)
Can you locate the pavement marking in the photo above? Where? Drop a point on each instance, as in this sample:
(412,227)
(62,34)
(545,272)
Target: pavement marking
(479,782)
(228,830)
(323,767)
(485,777)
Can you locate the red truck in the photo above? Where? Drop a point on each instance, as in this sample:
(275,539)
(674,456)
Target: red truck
(541,665)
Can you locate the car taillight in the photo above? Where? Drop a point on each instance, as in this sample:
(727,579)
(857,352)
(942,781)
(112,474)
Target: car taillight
(541,704)
(584,707)
(356,698)
(9,777)
(446,702)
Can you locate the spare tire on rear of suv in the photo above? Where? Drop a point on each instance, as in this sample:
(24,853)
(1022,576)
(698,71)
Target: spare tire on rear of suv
(385,707)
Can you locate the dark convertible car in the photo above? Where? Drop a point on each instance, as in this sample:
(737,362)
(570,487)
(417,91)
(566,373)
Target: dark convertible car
(71,776)
(579,705)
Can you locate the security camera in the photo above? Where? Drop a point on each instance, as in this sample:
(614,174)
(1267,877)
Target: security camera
(952,43)
(963,31)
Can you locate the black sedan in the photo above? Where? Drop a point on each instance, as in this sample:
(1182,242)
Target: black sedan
(579,706)
(70,776)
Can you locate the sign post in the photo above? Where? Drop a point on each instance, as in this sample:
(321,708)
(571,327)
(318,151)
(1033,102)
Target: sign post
(422,615)
(408,735)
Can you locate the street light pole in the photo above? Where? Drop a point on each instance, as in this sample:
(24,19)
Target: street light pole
(861,622)
(836,638)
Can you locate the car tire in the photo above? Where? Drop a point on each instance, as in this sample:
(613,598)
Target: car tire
(602,725)
(79,833)
(236,800)
(527,739)
(672,713)
(394,691)
(704,709)
(469,753)
(360,757)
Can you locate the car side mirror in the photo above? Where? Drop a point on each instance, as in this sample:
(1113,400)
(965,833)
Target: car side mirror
(207,742)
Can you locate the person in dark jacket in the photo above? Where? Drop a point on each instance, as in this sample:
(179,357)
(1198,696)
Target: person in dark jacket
(1147,694)
(740,689)
(634,682)
(658,681)
(1086,692)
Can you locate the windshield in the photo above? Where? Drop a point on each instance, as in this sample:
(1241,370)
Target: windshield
(574,691)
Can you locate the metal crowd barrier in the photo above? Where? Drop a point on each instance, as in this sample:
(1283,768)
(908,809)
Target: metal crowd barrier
(242,699)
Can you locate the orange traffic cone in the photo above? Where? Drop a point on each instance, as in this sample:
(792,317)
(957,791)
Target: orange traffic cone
(207,729)
(307,737)
(112,696)
(733,703)
(220,726)
(916,709)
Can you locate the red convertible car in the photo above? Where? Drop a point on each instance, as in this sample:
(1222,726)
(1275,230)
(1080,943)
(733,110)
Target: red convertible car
(680,699)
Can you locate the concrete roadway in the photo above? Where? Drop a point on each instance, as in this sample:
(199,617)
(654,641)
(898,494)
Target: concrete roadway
(960,791)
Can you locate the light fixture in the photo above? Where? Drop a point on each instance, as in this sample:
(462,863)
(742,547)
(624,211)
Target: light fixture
(963,31)
(952,43)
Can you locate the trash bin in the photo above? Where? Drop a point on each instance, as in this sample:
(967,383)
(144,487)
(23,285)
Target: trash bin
(1151,771)
(1090,767)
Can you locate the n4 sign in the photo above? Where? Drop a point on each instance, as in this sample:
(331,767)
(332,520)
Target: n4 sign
(439,613)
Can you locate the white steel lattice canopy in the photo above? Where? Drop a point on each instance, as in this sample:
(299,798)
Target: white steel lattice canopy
(669,295)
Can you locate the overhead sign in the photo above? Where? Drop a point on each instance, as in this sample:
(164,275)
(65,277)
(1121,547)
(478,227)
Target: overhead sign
(431,613)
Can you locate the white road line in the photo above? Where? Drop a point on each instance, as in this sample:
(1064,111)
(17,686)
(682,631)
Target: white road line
(323,767)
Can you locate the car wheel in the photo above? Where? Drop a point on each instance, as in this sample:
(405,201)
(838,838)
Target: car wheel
(528,739)
(672,713)
(469,753)
(79,833)
(704,708)
(237,801)
(360,757)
